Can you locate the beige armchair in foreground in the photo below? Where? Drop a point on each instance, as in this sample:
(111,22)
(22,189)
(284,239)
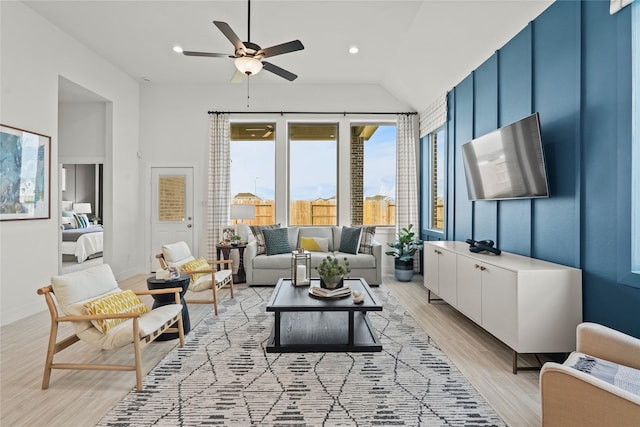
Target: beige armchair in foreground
(603,392)
(106,317)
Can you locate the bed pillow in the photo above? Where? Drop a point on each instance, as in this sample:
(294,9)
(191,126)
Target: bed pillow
(350,240)
(68,221)
(119,302)
(80,221)
(276,241)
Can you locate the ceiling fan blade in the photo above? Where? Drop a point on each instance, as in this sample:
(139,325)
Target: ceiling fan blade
(238,77)
(279,71)
(232,36)
(291,46)
(212,55)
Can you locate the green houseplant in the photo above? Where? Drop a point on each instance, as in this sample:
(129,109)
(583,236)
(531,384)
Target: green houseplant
(403,249)
(332,271)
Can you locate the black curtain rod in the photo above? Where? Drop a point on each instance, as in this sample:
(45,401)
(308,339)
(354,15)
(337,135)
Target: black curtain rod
(282,113)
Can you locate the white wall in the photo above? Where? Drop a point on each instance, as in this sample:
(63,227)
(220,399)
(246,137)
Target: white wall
(34,53)
(82,132)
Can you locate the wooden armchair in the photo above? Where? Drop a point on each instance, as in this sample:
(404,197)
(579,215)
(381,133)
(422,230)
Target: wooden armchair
(204,274)
(119,318)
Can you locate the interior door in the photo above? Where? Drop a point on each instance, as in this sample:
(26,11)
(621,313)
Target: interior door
(171,208)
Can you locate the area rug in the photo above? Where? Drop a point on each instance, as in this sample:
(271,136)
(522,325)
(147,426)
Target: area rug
(224,376)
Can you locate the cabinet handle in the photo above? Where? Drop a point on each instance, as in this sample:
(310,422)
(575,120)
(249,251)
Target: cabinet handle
(477,266)
(437,251)
(483,268)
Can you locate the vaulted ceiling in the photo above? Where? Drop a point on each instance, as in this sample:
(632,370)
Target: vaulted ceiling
(416,49)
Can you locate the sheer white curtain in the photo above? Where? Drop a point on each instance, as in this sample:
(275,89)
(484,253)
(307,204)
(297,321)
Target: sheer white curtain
(407,174)
(219,187)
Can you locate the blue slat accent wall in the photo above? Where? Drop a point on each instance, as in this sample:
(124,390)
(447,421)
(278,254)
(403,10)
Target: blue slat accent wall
(573,66)
(514,103)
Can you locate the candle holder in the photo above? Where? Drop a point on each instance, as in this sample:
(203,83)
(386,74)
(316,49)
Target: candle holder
(300,267)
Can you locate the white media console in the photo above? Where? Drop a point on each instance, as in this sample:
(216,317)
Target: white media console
(532,306)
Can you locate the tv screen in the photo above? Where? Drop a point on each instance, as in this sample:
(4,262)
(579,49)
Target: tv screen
(507,163)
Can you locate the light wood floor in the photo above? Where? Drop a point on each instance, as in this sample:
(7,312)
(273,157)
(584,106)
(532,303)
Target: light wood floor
(81,398)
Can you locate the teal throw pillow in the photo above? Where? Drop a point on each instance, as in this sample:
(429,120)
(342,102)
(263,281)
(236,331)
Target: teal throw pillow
(350,240)
(277,241)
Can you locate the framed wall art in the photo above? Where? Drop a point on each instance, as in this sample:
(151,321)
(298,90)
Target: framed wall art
(25,174)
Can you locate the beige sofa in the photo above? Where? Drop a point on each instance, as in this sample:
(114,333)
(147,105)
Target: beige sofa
(579,396)
(263,269)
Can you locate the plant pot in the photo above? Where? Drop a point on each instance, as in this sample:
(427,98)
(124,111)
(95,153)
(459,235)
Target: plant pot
(331,282)
(404,270)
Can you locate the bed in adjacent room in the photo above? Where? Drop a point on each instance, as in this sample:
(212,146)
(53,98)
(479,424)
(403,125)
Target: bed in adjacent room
(80,244)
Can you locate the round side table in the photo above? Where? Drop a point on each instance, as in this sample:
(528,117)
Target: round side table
(164,299)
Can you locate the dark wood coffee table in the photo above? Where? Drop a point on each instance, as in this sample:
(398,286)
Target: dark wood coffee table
(304,323)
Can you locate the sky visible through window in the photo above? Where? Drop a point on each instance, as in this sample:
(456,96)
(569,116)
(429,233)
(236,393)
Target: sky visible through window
(253,167)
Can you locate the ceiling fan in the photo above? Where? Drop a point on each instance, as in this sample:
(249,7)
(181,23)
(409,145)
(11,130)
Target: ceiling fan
(248,56)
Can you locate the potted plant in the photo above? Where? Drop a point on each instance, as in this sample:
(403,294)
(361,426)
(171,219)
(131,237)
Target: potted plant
(404,247)
(332,272)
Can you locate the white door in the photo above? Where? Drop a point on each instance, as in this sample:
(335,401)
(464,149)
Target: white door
(171,208)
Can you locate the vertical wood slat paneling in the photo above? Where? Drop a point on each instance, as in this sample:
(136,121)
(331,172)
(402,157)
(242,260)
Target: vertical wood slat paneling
(463,133)
(556,96)
(515,102)
(485,112)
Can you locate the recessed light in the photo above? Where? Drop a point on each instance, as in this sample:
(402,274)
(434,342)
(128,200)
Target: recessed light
(353,50)
(177,49)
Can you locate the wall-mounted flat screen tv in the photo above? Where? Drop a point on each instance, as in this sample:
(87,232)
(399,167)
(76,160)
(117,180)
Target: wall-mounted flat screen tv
(507,163)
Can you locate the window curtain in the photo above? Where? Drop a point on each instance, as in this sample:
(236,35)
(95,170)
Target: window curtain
(407,175)
(219,187)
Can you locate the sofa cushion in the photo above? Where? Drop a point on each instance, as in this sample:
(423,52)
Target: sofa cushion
(279,262)
(350,240)
(324,232)
(276,241)
(357,261)
(315,244)
(366,239)
(257,231)
(176,254)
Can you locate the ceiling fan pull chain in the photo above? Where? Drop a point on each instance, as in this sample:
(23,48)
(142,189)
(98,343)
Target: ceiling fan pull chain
(248,79)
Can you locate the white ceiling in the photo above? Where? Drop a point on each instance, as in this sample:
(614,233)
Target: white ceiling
(416,49)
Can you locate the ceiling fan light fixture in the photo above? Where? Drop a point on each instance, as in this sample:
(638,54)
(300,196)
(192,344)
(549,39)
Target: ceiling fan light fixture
(248,65)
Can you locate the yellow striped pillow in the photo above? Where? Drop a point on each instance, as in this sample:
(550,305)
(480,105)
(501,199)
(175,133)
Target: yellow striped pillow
(315,244)
(195,265)
(120,302)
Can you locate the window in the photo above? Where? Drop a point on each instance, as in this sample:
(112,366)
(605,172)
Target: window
(253,169)
(435,157)
(313,173)
(373,174)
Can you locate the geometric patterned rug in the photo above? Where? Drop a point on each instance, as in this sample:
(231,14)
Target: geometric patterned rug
(224,376)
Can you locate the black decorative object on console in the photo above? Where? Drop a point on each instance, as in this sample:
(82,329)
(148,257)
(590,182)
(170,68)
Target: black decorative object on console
(482,246)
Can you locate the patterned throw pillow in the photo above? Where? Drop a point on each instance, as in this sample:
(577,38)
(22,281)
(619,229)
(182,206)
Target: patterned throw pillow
(80,221)
(315,244)
(257,231)
(195,265)
(120,302)
(277,241)
(366,239)
(350,240)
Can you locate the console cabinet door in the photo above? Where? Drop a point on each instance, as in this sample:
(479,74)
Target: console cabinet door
(431,268)
(469,288)
(448,277)
(499,304)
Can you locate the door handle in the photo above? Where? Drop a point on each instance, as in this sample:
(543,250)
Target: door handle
(189,225)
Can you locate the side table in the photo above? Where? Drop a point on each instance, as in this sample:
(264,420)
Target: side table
(225,250)
(165,299)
